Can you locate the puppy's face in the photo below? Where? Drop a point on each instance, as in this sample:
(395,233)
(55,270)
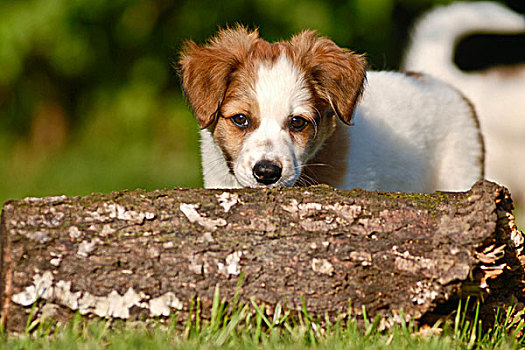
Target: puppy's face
(270,107)
(270,123)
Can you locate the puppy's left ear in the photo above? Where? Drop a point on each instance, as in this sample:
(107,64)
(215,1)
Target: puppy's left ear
(337,74)
(205,70)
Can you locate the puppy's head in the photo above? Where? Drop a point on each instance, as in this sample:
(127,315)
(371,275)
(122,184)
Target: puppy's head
(270,106)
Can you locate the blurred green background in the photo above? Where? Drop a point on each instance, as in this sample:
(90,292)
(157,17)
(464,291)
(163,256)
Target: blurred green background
(89,101)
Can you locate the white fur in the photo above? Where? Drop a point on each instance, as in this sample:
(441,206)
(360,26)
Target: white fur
(409,135)
(281,92)
(215,171)
(413,136)
(499,98)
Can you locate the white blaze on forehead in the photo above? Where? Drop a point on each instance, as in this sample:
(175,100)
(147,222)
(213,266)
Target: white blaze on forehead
(281,90)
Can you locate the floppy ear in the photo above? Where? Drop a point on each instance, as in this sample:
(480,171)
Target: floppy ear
(205,70)
(337,74)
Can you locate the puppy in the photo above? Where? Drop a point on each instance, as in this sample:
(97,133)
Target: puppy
(274,114)
(498,91)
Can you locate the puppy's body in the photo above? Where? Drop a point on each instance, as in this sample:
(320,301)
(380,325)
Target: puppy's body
(408,135)
(498,92)
(276,118)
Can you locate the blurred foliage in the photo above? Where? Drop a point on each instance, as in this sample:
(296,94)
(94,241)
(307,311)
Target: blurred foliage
(89,101)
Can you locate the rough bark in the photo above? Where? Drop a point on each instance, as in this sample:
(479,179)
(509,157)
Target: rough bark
(139,255)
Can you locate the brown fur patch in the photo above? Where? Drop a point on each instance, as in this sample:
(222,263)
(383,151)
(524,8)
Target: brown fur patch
(205,70)
(229,138)
(307,137)
(329,165)
(416,75)
(265,51)
(336,74)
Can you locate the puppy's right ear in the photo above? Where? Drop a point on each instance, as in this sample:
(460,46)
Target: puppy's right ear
(338,74)
(205,70)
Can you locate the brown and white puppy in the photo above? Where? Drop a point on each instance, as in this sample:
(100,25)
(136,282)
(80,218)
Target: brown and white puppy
(273,114)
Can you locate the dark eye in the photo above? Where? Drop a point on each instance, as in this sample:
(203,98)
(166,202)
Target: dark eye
(240,120)
(298,123)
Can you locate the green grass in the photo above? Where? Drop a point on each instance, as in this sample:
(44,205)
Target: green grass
(247,326)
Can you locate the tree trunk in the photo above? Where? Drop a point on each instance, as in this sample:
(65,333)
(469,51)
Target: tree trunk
(139,255)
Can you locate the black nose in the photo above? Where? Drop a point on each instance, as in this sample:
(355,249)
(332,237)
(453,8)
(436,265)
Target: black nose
(267,172)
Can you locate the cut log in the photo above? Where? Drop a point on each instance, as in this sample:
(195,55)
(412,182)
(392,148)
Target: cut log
(140,255)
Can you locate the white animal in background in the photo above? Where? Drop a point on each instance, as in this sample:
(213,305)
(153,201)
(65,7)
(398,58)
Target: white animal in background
(274,114)
(498,93)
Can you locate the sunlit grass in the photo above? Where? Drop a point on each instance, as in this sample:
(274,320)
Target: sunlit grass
(236,325)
